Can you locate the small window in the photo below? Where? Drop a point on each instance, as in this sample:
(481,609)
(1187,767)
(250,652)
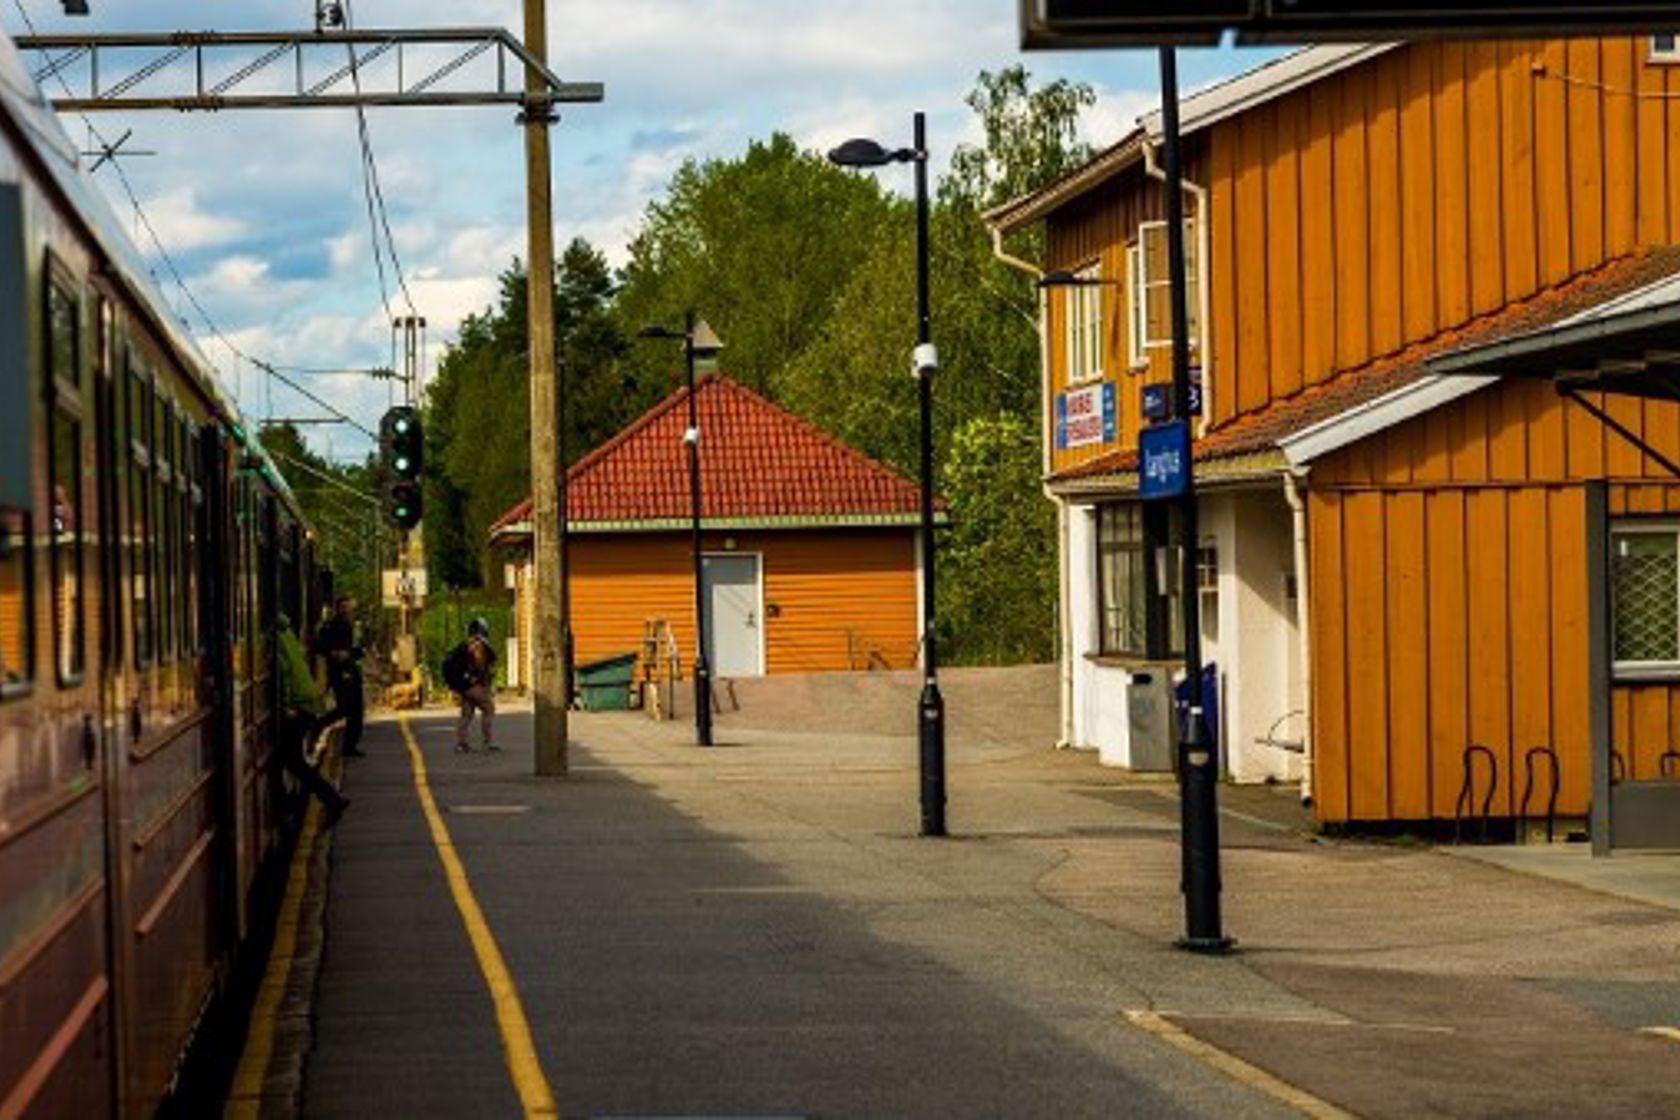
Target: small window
(1645,598)
(1665,48)
(64,479)
(1085,326)
(17,603)
(1138,577)
(1149,290)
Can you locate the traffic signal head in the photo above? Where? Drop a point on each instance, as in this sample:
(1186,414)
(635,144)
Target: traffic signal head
(402,443)
(403,504)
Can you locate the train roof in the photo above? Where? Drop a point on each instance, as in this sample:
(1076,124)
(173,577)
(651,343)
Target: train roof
(38,125)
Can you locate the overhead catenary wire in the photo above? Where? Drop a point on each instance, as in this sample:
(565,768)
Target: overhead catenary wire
(379,221)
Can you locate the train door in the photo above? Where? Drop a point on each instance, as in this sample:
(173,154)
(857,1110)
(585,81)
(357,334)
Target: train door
(215,544)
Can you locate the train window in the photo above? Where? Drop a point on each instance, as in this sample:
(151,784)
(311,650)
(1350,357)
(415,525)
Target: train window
(139,512)
(17,615)
(64,481)
(192,502)
(163,552)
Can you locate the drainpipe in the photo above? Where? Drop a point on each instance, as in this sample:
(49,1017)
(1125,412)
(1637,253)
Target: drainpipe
(1064,608)
(1298,508)
(1204,304)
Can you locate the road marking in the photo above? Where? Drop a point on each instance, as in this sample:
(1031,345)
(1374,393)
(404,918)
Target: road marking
(489,810)
(535,1096)
(1670,1033)
(245,1098)
(1235,1068)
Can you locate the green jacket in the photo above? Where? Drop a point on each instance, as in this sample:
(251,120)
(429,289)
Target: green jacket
(297,684)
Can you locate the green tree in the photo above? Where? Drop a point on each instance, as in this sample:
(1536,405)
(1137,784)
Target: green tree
(349,528)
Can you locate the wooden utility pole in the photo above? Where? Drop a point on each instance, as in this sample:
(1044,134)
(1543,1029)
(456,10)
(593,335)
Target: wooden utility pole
(549,668)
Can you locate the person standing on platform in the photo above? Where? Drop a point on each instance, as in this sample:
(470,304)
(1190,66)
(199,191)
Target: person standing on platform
(470,673)
(301,708)
(336,642)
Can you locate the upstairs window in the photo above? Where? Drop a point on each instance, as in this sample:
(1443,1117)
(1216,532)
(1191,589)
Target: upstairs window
(1149,290)
(1084,326)
(1665,48)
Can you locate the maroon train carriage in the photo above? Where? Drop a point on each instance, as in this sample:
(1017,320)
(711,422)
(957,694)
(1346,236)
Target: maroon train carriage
(147,547)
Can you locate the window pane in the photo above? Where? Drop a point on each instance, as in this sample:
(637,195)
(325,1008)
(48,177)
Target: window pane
(66,529)
(1644,575)
(139,552)
(15,607)
(163,557)
(1120,579)
(61,323)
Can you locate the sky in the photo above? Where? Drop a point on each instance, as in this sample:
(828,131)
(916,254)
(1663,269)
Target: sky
(264,214)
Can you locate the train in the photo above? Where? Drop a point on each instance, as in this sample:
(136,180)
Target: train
(149,553)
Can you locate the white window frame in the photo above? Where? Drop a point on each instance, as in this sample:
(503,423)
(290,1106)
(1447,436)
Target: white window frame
(1084,326)
(1665,49)
(1640,669)
(1139,283)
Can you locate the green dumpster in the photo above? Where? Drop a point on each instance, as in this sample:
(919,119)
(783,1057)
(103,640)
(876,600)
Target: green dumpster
(605,684)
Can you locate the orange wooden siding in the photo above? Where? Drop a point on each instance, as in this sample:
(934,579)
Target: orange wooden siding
(1383,205)
(833,596)
(1449,603)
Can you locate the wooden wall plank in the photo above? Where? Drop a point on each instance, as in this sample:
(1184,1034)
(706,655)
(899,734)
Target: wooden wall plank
(1328,606)
(1383,144)
(1508,433)
(1671,79)
(1653,151)
(1468,428)
(1366,581)
(1408,657)
(1253,303)
(1651,732)
(1547,453)
(1551,164)
(1661,421)
(1621,725)
(1571,728)
(1283,244)
(1452,186)
(1586,156)
(1519,221)
(1418,176)
(1585,435)
(1449,683)
(1318,236)
(1487,268)
(1223,295)
(1621,139)
(1622,459)
(1353,230)
(1531,631)
(1485,542)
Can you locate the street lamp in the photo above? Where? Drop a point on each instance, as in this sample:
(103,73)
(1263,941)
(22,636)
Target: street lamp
(860,153)
(699,341)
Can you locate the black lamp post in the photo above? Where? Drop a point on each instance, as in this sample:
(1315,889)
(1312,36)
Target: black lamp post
(931,707)
(699,341)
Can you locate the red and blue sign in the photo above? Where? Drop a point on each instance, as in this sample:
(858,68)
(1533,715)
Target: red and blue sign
(1085,416)
(1163,461)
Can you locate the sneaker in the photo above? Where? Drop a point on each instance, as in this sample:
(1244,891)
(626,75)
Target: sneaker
(463,748)
(493,748)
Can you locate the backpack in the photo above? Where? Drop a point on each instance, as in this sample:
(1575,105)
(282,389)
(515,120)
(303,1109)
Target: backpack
(457,669)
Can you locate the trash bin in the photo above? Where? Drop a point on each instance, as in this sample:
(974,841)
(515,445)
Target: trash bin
(605,684)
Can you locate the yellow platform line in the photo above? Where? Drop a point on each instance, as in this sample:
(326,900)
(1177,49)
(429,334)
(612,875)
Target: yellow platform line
(1235,1068)
(1670,1033)
(250,1078)
(535,1096)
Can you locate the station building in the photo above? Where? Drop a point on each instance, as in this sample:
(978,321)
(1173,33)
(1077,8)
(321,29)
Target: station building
(811,553)
(1395,554)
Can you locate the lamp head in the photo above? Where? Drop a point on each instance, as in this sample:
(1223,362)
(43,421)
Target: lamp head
(705,341)
(859,152)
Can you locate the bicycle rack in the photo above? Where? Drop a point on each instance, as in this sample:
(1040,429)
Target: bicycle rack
(1618,767)
(1550,755)
(1466,793)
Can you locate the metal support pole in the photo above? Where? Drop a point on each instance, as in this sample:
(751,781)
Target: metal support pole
(702,670)
(549,679)
(1198,757)
(931,706)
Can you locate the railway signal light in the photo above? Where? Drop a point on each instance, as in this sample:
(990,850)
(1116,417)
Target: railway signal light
(404,504)
(402,443)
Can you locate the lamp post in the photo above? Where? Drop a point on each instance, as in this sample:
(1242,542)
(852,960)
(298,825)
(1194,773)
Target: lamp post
(699,341)
(930,709)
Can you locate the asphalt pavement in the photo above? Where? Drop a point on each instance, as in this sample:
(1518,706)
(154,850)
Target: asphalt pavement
(756,930)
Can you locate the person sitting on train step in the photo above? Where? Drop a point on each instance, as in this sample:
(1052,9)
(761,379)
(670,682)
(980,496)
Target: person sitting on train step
(470,673)
(336,641)
(300,711)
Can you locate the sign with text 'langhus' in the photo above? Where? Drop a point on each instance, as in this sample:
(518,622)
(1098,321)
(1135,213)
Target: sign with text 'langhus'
(1163,461)
(1085,416)
(1062,24)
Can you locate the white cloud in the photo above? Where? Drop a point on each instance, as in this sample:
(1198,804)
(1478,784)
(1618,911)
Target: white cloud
(183,225)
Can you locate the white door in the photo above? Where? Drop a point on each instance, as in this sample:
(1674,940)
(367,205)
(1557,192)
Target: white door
(732,602)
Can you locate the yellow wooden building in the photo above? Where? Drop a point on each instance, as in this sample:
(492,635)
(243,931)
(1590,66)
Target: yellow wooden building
(810,549)
(1393,566)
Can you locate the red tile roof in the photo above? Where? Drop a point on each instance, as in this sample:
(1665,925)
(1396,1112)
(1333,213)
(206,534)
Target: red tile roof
(1263,430)
(757,460)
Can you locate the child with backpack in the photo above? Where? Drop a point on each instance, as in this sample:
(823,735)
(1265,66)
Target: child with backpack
(470,672)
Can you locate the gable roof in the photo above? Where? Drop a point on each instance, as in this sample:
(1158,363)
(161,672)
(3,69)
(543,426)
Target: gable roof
(760,464)
(1197,111)
(1360,402)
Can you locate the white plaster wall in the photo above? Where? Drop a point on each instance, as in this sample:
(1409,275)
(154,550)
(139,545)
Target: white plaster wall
(1262,668)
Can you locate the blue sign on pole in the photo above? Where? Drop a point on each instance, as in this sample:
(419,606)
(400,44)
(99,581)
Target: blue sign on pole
(1157,402)
(1163,461)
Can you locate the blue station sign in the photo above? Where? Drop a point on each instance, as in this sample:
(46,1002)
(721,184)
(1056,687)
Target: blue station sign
(1163,461)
